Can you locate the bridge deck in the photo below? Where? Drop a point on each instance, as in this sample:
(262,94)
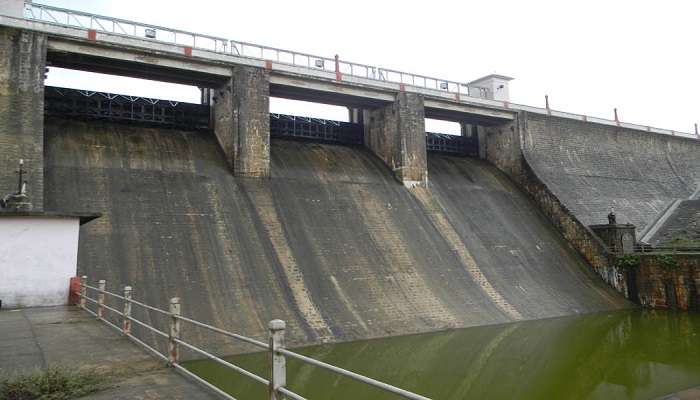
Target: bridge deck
(100,43)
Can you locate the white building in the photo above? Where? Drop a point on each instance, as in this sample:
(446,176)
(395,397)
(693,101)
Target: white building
(38,256)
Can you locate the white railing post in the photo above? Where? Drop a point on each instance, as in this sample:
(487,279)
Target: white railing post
(83,291)
(102,285)
(126,324)
(173,355)
(278,368)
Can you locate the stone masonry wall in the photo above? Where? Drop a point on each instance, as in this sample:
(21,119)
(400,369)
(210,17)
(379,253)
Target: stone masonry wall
(591,167)
(396,134)
(503,149)
(22,63)
(669,287)
(241,116)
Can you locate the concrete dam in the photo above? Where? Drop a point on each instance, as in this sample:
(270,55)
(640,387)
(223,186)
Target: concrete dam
(378,237)
(330,243)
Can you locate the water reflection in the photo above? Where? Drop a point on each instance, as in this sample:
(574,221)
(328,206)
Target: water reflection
(625,354)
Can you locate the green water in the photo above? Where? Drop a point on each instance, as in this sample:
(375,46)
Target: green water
(619,355)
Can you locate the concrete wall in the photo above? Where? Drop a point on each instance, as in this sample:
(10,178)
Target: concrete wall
(22,63)
(682,228)
(504,148)
(592,167)
(330,243)
(38,256)
(396,134)
(241,117)
(575,171)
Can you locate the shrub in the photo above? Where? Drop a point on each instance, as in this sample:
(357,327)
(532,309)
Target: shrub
(55,383)
(627,261)
(666,261)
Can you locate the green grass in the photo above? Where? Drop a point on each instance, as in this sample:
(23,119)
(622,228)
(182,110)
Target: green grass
(55,383)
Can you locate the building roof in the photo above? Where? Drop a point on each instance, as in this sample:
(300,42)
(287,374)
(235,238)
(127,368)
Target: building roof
(491,76)
(83,217)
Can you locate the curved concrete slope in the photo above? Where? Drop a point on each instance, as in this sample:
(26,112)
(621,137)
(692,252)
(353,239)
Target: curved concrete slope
(331,243)
(592,167)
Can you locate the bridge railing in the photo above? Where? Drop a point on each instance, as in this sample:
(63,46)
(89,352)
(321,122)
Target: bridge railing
(83,20)
(275,345)
(79,19)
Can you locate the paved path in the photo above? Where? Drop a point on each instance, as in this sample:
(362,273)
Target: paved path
(690,394)
(47,336)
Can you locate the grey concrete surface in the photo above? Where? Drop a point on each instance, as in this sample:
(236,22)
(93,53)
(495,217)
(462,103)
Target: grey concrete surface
(331,244)
(40,337)
(396,134)
(22,62)
(592,167)
(681,228)
(241,118)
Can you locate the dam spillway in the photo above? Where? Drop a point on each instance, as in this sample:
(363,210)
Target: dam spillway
(330,243)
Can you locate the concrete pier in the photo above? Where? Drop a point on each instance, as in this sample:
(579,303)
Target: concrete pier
(22,64)
(396,134)
(241,117)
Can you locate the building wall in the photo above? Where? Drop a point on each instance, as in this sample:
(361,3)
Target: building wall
(38,256)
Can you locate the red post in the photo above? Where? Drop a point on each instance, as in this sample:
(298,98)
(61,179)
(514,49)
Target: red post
(338,75)
(74,291)
(92,35)
(188,51)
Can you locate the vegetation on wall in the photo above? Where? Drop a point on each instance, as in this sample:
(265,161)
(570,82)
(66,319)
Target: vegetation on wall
(627,261)
(666,261)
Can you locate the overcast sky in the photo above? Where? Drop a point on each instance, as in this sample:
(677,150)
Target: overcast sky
(589,56)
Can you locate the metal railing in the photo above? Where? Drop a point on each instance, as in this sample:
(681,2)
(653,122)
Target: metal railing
(100,23)
(324,130)
(86,104)
(644,248)
(452,144)
(275,346)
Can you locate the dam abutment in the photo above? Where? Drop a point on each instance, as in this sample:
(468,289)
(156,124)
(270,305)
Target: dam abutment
(576,171)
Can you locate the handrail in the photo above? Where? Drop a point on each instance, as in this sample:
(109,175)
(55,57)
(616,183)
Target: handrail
(226,333)
(278,374)
(353,375)
(144,31)
(46,14)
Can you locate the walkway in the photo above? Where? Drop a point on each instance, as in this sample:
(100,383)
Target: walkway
(47,336)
